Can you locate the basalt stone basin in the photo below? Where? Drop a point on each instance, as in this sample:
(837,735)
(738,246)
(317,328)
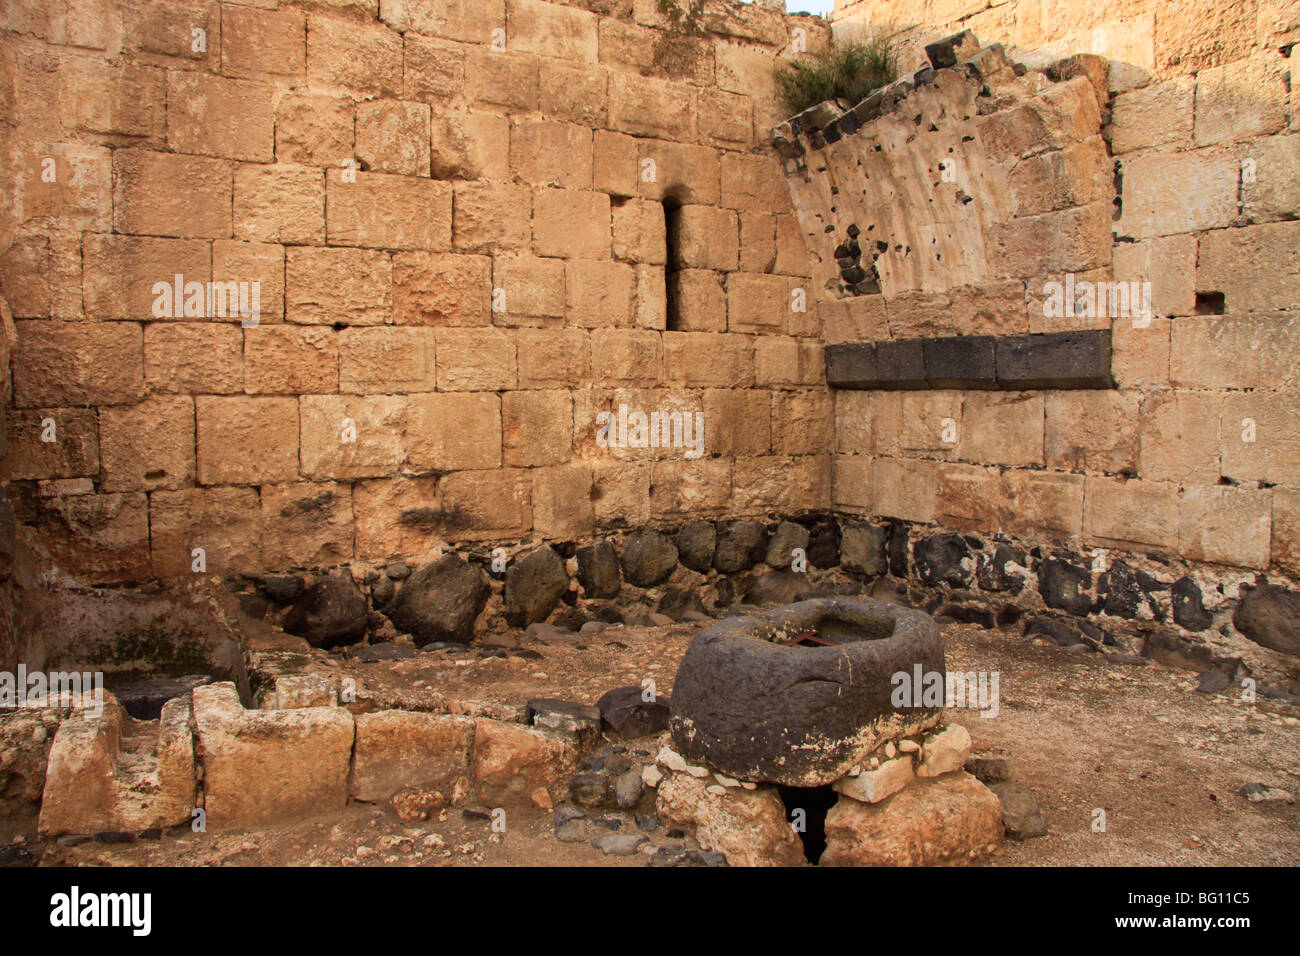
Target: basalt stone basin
(798,695)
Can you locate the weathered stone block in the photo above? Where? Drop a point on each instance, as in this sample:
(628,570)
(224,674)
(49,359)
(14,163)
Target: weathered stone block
(472,145)
(537,427)
(78,363)
(1131,514)
(758,303)
(1261,345)
(571,224)
(442,290)
(393,137)
(290,360)
(93,786)
(546,153)
(165,194)
(954,818)
(254,42)
(262,766)
(313,129)
(492,217)
(511,761)
(385,361)
(1224,525)
(453,431)
(398,749)
(345,436)
(280,203)
(147,446)
(225,522)
(246,440)
(380,211)
(532,290)
(99,539)
(306,525)
(395,517)
(365,59)
(475,360)
(214,116)
(327,286)
(705,237)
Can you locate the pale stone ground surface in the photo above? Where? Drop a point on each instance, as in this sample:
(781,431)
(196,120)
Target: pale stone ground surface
(1161,759)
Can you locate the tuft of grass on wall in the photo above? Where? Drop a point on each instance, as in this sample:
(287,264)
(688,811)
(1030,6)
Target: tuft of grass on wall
(850,72)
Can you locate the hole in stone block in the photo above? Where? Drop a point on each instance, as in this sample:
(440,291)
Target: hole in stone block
(806,809)
(1211,303)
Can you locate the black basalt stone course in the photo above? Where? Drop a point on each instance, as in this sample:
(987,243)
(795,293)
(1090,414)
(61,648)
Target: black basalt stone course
(758,709)
(1056,360)
(851,366)
(900,364)
(961,362)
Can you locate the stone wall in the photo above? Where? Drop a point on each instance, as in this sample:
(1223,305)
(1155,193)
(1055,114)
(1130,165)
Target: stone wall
(474,225)
(1169,37)
(958,217)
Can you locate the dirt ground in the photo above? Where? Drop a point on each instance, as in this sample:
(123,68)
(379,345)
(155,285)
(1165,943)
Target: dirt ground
(1163,761)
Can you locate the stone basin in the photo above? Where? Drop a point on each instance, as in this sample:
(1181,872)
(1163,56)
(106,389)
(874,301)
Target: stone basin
(756,698)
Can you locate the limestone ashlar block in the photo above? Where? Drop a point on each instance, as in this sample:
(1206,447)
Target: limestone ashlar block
(961,362)
(399,749)
(1057,360)
(260,766)
(110,773)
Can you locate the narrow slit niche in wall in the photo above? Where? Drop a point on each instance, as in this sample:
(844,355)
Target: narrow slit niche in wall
(672,261)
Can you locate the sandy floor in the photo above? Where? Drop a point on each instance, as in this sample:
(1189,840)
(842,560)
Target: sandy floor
(1161,760)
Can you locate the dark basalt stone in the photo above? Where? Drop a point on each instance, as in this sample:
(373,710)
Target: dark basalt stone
(648,558)
(1121,592)
(330,613)
(741,545)
(994,574)
(534,585)
(757,709)
(695,545)
(440,601)
(1064,585)
(939,560)
(863,548)
(1185,597)
(598,571)
(1270,616)
(629,715)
